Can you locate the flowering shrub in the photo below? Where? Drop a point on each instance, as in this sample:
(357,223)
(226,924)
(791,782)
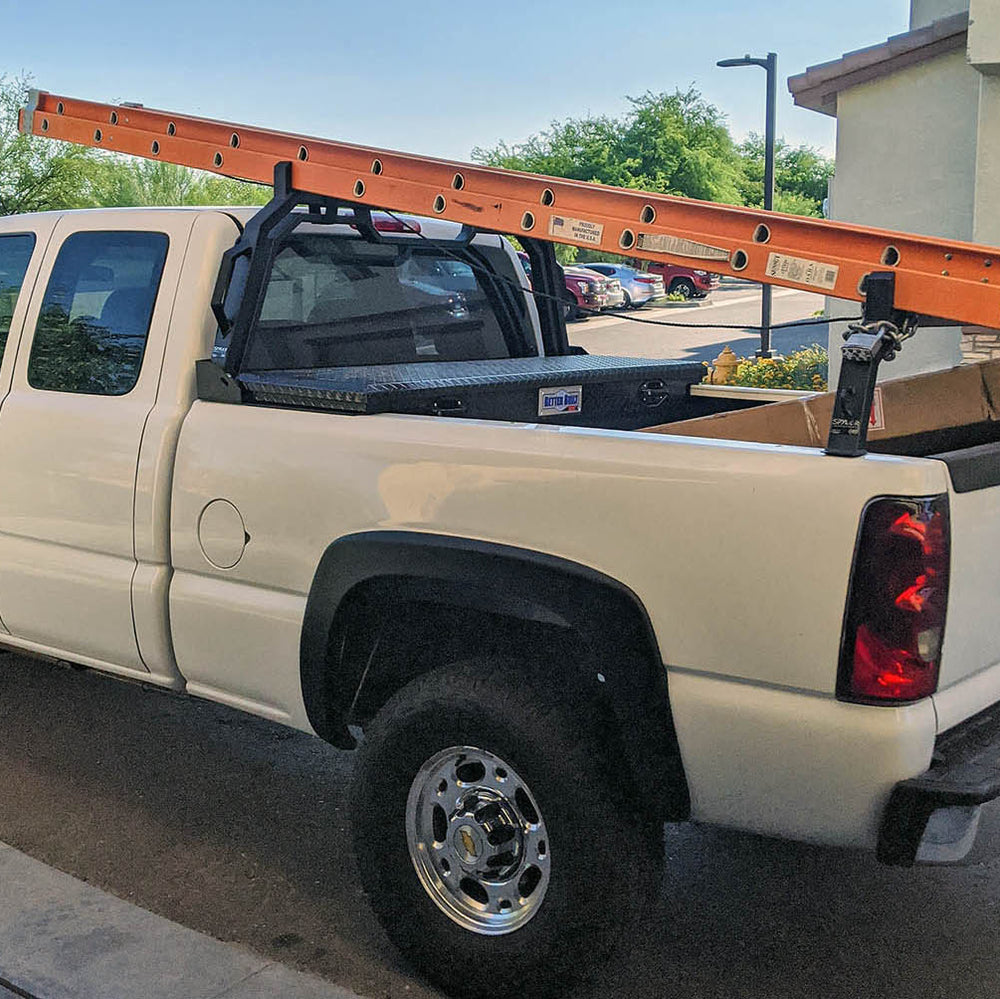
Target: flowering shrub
(805,369)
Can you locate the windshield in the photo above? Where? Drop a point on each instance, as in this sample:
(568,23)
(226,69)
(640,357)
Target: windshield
(340,301)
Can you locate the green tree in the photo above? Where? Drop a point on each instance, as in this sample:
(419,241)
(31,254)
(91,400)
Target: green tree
(669,143)
(118,181)
(37,174)
(121,183)
(801,174)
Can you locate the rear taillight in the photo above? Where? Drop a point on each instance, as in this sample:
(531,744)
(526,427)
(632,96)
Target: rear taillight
(642,279)
(896,605)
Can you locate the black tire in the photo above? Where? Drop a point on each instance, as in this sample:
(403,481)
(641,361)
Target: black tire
(571,311)
(683,286)
(605,859)
(627,304)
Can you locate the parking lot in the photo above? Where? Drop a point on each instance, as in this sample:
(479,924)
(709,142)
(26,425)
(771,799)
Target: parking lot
(694,333)
(238,828)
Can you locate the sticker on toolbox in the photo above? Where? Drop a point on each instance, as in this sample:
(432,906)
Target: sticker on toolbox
(876,419)
(576,230)
(815,273)
(562,399)
(680,247)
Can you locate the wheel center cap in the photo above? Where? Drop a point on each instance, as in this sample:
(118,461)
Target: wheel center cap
(468,843)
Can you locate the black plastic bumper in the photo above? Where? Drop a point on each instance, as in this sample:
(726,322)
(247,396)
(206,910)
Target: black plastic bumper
(965,770)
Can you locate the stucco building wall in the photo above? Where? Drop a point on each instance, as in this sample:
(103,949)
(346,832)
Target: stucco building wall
(903,162)
(923,12)
(903,150)
(918,144)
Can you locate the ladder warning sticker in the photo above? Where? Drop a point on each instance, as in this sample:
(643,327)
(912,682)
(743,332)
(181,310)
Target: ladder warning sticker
(680,247)
(576,230)
(876,419)
(812,272)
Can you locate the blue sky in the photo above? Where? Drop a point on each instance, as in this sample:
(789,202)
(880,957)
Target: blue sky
(433,77)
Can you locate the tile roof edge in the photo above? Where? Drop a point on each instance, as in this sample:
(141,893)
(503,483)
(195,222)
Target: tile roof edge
(882,52)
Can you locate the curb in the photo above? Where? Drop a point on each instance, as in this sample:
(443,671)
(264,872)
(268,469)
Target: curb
(61,938)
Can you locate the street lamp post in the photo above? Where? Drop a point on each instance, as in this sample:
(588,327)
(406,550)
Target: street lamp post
(770,66)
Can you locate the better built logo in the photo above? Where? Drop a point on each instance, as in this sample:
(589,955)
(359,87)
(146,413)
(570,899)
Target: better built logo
(564,399)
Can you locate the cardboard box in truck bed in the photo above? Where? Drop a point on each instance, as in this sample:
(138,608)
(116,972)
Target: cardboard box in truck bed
(920,414)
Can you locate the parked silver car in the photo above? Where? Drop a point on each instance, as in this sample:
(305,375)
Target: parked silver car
(616,293)
(638,287)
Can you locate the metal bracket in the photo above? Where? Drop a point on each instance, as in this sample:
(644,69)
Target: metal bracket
(214,385)
(877,338)
(28,111)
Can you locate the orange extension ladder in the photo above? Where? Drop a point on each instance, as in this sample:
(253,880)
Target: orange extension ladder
(935,277)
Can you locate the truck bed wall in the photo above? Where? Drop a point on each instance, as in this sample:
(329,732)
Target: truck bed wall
(740,554)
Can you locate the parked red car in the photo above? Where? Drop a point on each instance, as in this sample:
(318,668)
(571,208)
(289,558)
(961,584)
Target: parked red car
(586,291)
(685,280)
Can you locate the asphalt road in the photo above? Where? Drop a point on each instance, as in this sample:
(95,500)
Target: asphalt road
(733,304)
(237,827)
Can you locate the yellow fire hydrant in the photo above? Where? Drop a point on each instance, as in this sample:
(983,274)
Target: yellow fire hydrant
(722,367)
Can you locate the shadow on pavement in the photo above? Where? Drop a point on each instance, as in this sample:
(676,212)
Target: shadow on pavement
(238,828)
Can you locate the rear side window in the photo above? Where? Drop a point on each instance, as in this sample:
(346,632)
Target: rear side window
(15,254)
(95,316)
(334,301)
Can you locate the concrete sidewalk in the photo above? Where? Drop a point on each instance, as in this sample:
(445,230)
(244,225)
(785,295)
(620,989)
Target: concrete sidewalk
(61,938)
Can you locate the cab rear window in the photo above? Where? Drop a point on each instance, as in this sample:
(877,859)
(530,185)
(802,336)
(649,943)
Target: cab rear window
(335,301)
(15,255)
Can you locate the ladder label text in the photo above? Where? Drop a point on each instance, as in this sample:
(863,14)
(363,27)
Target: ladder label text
(812,272)
(576,230)
(680,247)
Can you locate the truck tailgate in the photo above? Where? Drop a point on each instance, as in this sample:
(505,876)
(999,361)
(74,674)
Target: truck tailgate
(972,630)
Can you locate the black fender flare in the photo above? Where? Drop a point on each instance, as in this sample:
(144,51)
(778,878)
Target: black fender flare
(521,583)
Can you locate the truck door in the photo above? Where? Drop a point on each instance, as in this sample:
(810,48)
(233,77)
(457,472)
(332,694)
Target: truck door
(22,247)
(84,381)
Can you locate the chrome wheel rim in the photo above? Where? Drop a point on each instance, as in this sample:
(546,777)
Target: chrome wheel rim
(477,840)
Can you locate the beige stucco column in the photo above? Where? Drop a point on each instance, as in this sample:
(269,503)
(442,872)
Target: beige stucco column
(986,228)
(984,56)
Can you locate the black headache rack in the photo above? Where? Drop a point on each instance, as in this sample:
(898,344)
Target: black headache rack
(564,387)
(242,281)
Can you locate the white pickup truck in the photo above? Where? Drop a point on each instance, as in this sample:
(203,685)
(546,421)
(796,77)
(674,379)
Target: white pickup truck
(540,629)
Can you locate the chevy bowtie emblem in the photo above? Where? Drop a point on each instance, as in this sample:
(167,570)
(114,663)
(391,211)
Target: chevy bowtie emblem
(468,842)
